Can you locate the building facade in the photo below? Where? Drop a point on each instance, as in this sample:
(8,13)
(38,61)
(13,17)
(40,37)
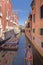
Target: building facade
(36,26)
(15,22)
(28,27)
(2,16)
(9,24)
(7,19)
(37,22)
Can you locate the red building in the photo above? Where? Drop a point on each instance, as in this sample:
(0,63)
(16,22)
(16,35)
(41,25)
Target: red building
(9,24)
(2,16)
(37,25)
(6,17)
(28,27)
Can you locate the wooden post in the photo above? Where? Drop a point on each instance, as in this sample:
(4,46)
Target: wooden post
(24,61)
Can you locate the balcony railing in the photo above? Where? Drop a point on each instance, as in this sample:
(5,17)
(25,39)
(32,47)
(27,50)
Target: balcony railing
(11,21)
(0,14)
(33,4)
(0,26)
(7,18)
(15,23)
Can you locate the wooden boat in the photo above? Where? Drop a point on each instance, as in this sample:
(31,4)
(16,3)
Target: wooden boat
(15,48)
(10,45)
(28,60)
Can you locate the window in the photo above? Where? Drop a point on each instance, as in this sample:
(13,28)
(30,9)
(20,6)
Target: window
(33,30)
(0,21)
(42,11)
(33,3)
(42,44)
(29,31)
(41,31)
(29,25)
(33,38)
(0,30)
(6,61)
(33,17)
(0,7)
(6,30)
(3,55)
(6,12)
(0,60)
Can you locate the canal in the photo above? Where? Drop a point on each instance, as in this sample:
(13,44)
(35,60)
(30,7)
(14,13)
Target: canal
(19,60)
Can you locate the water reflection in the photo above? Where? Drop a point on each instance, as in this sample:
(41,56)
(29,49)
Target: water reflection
(20,57)
(6,57)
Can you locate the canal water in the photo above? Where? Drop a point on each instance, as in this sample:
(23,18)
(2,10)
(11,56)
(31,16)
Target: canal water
(19,60)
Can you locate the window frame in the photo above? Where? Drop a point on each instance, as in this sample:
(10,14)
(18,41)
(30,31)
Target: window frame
(41,32)
(41,12)
(34,30)
(34,18)
(28,24)
(42,44)
(0,8)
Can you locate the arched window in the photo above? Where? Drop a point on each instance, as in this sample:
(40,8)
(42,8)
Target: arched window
(42,11)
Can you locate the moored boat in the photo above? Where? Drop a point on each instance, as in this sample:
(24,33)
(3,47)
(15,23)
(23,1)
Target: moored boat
(11,45)
(28,60)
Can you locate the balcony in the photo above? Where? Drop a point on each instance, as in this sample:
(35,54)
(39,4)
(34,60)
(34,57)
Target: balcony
(33,4)
(0,26)
(0,14)
(11,20)
(30,17)
(15,23)
(7,18)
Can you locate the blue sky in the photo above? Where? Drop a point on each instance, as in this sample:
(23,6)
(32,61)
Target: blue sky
(22,8)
